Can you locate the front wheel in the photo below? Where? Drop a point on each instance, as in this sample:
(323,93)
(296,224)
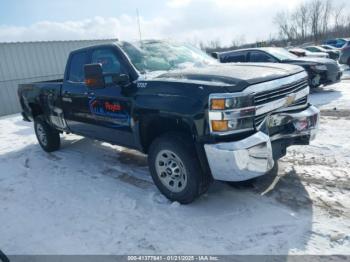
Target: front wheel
(175,168)
(48,137)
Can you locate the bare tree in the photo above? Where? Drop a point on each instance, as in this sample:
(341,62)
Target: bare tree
(302,19)
(338,14)
(283,22)
(310,21)
(316,10)
(238,41)
(327,12)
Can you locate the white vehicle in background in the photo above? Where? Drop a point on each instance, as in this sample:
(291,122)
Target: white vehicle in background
(303,52)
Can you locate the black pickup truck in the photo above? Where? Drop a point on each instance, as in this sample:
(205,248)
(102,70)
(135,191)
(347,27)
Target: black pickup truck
(197,119)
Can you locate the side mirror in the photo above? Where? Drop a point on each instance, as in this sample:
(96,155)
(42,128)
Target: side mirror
(122,80)
(118,79)
(94,76)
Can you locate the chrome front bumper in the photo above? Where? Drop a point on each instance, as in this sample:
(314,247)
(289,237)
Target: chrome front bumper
(253,156)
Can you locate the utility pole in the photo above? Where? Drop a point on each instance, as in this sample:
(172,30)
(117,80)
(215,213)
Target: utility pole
(138,22)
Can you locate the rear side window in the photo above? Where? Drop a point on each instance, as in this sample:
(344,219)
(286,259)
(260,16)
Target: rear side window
(76,70)
(234,57)
(258,57)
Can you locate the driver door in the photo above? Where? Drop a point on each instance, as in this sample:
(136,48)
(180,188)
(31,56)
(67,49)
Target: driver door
(109,106)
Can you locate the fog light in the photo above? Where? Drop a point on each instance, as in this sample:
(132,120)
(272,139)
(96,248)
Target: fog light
(232,124)
(301,125)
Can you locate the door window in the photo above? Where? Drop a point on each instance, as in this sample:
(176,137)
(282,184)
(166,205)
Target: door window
(108,59)
(234,57)
(76,70)
(257,56)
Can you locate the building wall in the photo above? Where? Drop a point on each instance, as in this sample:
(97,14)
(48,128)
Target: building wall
(32,62)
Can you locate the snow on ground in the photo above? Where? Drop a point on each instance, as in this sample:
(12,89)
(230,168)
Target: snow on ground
(91,197)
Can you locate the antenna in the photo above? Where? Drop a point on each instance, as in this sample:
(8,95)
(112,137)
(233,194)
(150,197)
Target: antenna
(138,22)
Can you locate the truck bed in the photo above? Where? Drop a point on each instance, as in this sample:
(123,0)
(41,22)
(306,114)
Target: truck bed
(42,93)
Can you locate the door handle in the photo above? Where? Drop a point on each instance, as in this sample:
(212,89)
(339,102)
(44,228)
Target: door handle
(90,95)
(66,92)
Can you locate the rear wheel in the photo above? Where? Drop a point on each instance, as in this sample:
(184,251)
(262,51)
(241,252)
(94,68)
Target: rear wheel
(175,168)
(48,137)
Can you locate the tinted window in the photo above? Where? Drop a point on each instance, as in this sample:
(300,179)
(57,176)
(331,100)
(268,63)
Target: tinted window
(108,59)
(257,56)
(234,57)
(76,70)
(313,49)
(331,42)
(340,42)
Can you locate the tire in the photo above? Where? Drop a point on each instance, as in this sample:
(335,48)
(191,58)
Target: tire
(175,168)
(313,86)
(48,137)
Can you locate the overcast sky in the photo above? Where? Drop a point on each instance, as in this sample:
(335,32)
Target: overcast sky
(185,20)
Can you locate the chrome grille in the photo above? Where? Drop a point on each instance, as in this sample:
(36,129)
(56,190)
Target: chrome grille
(260,118)
(275,94)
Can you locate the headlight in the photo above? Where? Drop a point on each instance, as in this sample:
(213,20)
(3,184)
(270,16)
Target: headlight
(320,67)
(230,113)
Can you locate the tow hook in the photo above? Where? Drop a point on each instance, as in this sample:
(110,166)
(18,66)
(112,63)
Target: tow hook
(316,80)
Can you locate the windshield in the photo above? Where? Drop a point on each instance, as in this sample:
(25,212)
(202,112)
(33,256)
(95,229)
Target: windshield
(150,56)
(281,54)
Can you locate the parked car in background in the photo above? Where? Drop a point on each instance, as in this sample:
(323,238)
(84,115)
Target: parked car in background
(329,47)
(214,55)
(302,52)
(333,54)
(345,56)
(321,71)
(338,42)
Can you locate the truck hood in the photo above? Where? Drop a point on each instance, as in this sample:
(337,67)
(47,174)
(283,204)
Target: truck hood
(236,75)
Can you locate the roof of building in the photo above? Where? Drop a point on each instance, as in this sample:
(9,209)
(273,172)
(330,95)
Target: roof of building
(22,60)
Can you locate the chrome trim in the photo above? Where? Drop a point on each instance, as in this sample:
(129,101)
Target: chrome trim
(241,160)
(280,103)
(291,108)
(274,84)
(260,109)
(231,132)
(253,156)
(294,118)
(226,95)
(229,114)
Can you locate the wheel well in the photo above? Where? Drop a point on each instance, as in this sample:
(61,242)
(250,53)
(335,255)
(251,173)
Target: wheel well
(36,110)
(154,128)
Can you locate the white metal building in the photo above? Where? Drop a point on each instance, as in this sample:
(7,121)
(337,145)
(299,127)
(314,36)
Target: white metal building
(25,62)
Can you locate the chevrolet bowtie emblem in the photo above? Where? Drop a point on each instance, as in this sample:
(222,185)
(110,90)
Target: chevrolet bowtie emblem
(290,99)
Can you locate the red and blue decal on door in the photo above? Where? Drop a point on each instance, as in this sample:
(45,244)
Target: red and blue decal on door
(114,114)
